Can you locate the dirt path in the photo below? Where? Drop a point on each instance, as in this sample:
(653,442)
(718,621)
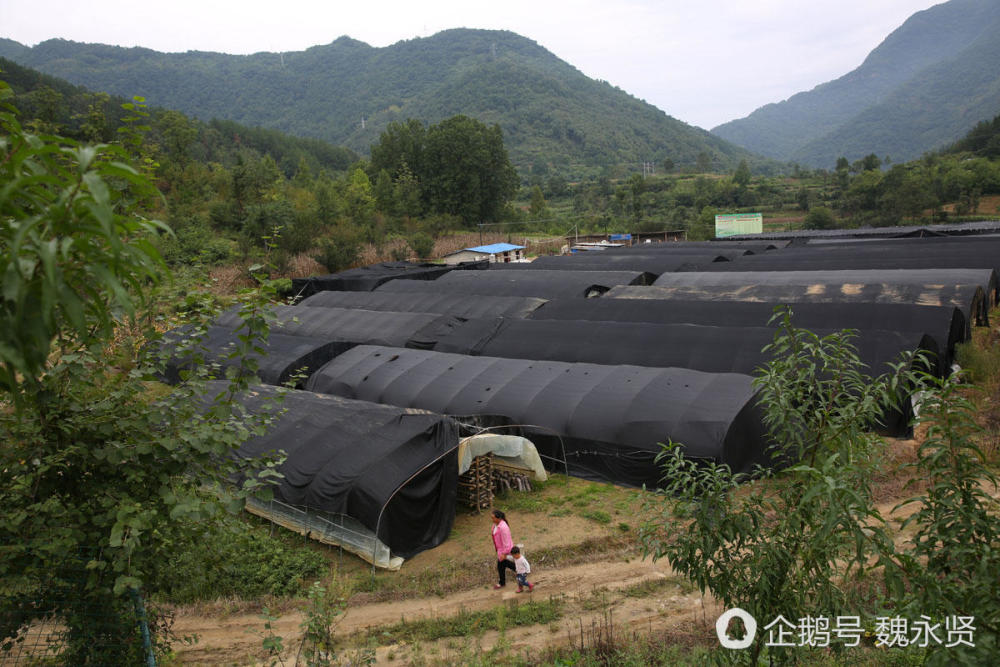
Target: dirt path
(237,639)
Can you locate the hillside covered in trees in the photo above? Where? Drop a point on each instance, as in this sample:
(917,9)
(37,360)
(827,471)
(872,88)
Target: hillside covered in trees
(923,87)
(232,192)
(553,117)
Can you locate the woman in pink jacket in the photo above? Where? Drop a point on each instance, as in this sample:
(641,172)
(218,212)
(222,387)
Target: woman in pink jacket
(503,544)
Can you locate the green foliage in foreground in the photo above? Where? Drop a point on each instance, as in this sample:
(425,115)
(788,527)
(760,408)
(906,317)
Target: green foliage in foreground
(783,548)
(806,540)
(70,261)
(94,465)
(953,559)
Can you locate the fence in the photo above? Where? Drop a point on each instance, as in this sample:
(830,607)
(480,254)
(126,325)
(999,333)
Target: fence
(66,613)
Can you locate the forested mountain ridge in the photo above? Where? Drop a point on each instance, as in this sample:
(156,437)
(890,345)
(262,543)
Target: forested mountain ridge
(551,114)
(924,86)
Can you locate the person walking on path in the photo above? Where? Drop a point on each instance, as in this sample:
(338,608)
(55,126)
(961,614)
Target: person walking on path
(503,544)
(522,568)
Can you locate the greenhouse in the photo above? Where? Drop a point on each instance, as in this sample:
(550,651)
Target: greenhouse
(609,420)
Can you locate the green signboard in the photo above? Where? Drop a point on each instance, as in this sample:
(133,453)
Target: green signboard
(739,223)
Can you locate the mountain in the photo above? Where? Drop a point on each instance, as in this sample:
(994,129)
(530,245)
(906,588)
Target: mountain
(551,114)
(924,86)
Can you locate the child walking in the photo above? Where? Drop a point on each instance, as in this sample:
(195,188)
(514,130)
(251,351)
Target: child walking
(522,569)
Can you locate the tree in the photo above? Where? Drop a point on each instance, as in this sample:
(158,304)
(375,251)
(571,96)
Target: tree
(783,543)
(742,174)
(843,176)
(400,146)
(537,208)
(704,162)
(97,474)
(178,133)
(459,166)
(69,262)
(802,198)
(340,249)
(422,244)
(703,228)
(952,560)
(871,162)
(820,217)
(466,170)
(359,199)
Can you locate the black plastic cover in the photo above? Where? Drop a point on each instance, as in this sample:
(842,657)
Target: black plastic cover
(611,419)
(395,470)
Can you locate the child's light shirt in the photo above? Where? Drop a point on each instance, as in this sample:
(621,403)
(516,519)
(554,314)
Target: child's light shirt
(521,565)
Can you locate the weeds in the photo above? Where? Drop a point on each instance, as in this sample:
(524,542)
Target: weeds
(470,623)
(236,559)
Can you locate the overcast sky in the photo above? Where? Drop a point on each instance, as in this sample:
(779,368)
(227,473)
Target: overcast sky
(702,61)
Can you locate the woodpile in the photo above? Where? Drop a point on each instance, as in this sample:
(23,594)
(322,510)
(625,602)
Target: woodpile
(508,479)
(475,486)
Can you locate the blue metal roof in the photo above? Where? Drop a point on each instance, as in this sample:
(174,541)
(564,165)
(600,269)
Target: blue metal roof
(495,248)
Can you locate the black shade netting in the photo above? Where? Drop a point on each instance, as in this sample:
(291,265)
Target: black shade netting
(945,324)
(367,278)
(277,359)
(541,284)
(611,419)
(460,305)
(395,470)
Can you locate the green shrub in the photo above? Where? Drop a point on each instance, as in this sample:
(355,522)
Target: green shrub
(339,250)
(238,559)
(195,244)
(422,244)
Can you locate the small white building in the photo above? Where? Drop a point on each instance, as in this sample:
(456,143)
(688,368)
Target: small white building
(495,252)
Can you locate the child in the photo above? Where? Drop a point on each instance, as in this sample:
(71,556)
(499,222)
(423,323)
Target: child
(522,570)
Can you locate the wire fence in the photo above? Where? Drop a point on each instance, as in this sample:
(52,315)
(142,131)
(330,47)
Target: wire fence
(65,613)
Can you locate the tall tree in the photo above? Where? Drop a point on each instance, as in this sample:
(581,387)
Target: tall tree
(466,170)
(400,147)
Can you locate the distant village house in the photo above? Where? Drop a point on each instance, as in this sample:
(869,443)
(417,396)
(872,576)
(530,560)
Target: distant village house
(495,252)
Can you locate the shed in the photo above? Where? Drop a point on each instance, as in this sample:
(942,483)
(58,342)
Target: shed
(495,252)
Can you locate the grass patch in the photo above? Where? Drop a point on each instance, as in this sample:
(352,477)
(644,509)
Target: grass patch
(585,551)
(981,362)
(599,516)
(649,587)
(236,559)
(521,501)
(468,623)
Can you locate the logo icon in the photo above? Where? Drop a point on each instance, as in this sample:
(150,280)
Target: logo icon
(749,624)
